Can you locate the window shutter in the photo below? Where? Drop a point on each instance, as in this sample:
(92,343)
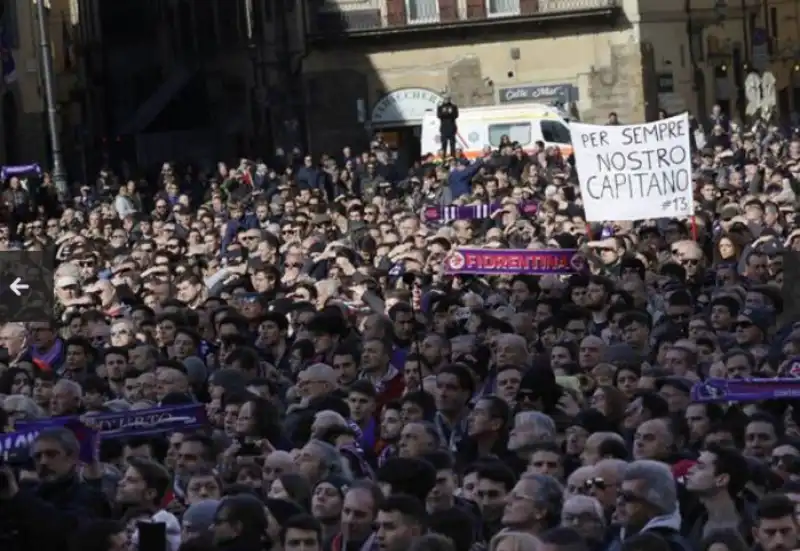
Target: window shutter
(476,9)
(448,11)
(396,12)
(528,7)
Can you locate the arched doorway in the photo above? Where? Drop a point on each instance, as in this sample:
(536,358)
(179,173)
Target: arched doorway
(10,128)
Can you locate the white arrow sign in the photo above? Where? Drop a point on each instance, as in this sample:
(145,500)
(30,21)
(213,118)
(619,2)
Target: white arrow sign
(17,287)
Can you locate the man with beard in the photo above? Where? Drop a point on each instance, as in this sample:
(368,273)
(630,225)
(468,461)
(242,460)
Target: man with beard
(775,527)
(648,503)
(240,524)
(143,487)
(596,301)
(115,360)
(327,499)
(56,454)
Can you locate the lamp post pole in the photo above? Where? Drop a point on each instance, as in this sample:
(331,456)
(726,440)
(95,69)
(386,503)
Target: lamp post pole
(59,174)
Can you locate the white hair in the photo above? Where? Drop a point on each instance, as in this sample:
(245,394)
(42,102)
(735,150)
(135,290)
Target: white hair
(70,386)
(23,404)
(514,340)
(15,328)
(331,459)
(325,420)
(613,464)
(662,492)
(323,372)
(522,541)
(124,321)
(542,422)
(586,502)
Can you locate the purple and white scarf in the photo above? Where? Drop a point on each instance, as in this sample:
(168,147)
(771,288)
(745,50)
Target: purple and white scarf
(450,213)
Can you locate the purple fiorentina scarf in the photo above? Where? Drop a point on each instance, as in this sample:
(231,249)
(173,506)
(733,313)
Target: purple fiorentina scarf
(745,390)
(473,212)
(16,170)
(369,436)
(123,424)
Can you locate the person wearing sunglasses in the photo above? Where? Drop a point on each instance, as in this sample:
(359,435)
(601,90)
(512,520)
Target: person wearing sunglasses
(648,502)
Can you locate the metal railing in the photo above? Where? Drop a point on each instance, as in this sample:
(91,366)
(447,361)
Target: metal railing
(547,6)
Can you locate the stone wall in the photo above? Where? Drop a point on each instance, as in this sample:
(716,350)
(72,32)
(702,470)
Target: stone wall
(619,86)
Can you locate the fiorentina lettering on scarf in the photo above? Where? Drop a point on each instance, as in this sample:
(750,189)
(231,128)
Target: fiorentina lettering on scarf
(124,424)
(507,261)
(148,421)
(12,442)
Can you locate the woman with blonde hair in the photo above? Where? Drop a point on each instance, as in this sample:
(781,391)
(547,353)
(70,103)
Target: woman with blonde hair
(514,541)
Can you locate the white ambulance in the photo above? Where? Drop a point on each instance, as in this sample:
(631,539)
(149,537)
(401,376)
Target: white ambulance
(524,123)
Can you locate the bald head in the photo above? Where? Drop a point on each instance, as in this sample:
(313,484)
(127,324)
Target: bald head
(653,440)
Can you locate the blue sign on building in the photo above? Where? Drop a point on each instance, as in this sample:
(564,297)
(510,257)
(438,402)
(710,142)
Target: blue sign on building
(546,93)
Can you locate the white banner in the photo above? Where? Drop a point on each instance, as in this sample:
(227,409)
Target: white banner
(635,171)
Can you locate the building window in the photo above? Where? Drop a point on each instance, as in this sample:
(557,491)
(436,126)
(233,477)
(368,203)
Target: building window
(554,132)
(501,8)
(519,132)
(422,11)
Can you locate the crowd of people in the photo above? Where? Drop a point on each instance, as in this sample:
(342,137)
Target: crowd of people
(358,397)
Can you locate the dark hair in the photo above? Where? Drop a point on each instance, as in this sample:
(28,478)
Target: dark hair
(456,524)
(246,357)
(654,404)
(266,420)
(372,489)
(298,489)
(209,450)
(440,459)
(363,386)
(762,417)
(411,508)
(303,522)
(460,372)
(498,408)
(154,475)
(249,511)
(424,400)
(498,472)
(8,376)
(612,448)
(732,463)
(774,506)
